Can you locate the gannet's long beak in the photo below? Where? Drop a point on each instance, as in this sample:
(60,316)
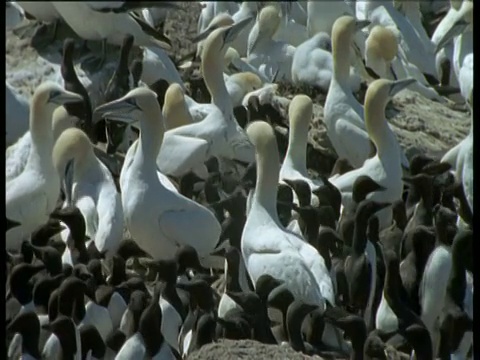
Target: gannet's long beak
(117,110)
(204,34)
(233,30)
(456,29)
(66,97)
(360,24)
(399,85)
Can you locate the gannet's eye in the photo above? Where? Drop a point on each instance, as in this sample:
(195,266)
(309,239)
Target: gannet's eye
(54,94)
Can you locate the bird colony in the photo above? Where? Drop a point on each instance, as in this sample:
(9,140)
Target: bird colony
(145,222)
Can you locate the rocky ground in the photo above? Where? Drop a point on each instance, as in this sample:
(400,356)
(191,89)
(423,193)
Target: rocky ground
(420,124)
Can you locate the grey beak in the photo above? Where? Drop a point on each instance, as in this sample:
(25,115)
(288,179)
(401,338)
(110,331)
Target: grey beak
(204,34)
(66,98)
(118,110)
(456,29)
(399,85)
(236,28)
(360,24)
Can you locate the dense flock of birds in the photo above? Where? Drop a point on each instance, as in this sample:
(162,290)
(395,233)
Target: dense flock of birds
(225,239)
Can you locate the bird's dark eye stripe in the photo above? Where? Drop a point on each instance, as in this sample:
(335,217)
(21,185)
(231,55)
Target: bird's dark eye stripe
(54,94)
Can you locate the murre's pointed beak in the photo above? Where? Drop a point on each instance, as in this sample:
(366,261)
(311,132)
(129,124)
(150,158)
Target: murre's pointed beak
(399,85)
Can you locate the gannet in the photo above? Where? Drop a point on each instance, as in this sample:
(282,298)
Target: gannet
(156,65)
(225,137)
(446,54)
(222,19)
(158,219)
(42,12)
(211,9)
(460,157)
(343,113)
(175,111)
(16,156)
(411,45)
(294,165)
(14,15)
(385,167)
(267,247)
(90,187)
(32,195)
(155,17)
(92,24)
(240,84)
(232,60)
(381,56)
(461,32)
(248,9)
(321,15)
(17,114)
(272,58)
(289,30)
(313,64)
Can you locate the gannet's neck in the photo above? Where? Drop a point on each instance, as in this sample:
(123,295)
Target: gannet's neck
(151,137)
(297,147)
(41,133)
(341,58)
(267,179)
(212,69)
(377,127)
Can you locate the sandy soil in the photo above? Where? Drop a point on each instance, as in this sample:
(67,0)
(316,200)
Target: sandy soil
(420,124)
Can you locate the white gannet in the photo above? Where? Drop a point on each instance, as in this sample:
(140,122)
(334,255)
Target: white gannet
(233,60)
(240,84)
(14,15)
(211,9)
(90,22)
(272,58)
(16,155)
(381,56)
(461,32)
(32,196)
(90,187)
(248,9)
(411,45)
(321,15)
(222,19)
(289,30)
(460,157)
(385,167)
(175,111)
(381,47)
(343,113)
(156,65)
(227,140)
(155,17)
(158,219)
(446,54)
(294,165)
(41,11)
(17,114)
(267,247)
(313,64)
